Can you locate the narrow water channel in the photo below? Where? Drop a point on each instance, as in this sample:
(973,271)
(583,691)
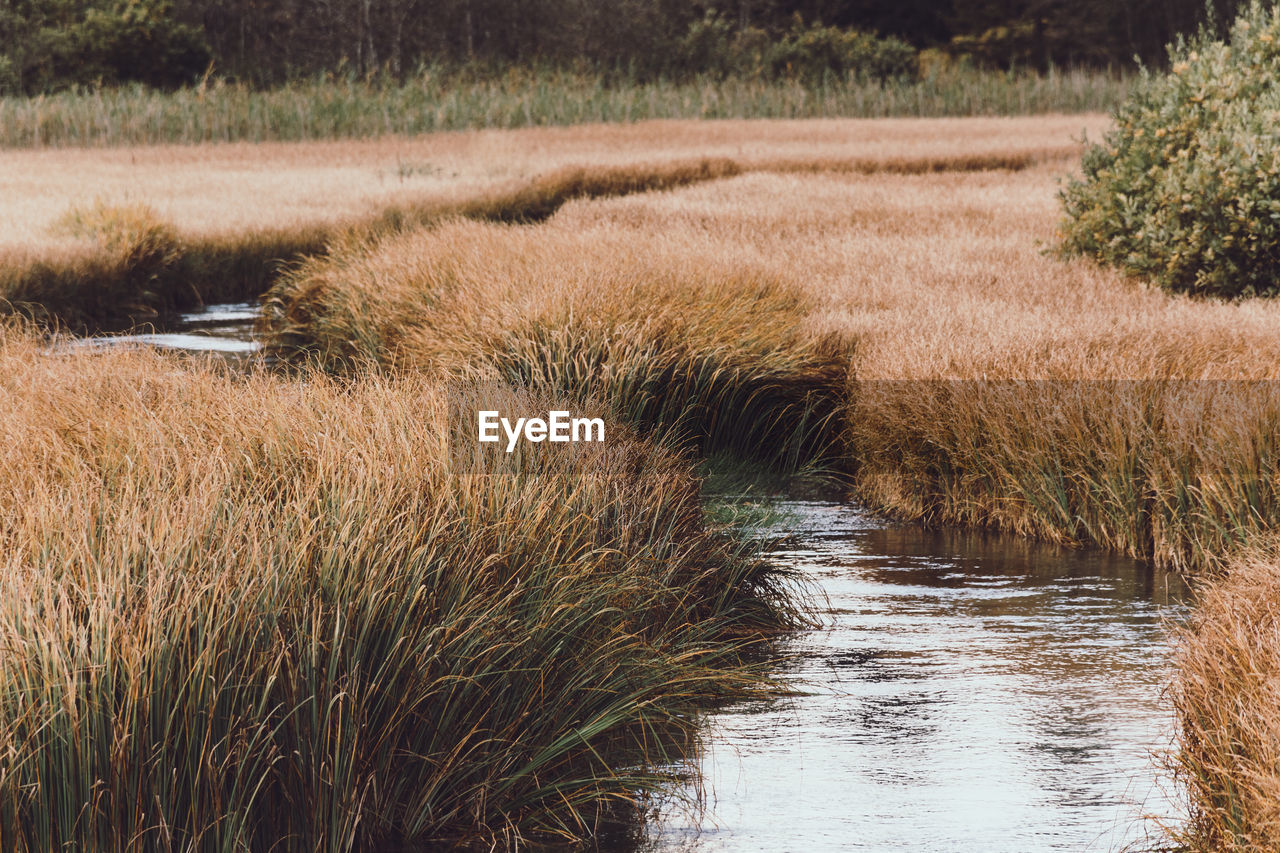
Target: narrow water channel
(966,693)
(226,329)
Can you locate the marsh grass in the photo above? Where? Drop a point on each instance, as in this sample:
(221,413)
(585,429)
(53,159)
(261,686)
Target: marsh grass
(1227,695)
(131,266)
(696,349)
(665,309)
(251,612)
(435,101)
(1175,472)
(886,323)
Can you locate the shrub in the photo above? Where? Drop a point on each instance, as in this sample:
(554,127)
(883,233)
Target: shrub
(1186,189)
(92,42)
(811,53)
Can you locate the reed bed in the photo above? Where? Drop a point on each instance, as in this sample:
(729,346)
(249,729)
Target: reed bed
(675,337)
(1227,694)
(434,101)
(900,322)
(131,265)
(259,612)
(974,380)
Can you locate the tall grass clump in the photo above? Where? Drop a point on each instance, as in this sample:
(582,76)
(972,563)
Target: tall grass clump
(254,613)
(672,336)
(1185,191)
(436,100)
(1227,694)
(127,253)
(1176,472)
(129,265)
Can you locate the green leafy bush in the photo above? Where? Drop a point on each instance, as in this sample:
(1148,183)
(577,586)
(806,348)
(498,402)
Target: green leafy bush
(70,43)
(811,53)
(1185,190)
(814,51)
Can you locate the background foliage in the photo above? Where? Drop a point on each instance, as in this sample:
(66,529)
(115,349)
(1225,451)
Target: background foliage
(50,44)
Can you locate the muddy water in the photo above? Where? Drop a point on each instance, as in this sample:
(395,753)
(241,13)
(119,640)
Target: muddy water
(966,693)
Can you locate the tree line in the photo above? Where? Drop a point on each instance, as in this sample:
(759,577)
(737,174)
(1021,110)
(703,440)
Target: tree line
(51,44)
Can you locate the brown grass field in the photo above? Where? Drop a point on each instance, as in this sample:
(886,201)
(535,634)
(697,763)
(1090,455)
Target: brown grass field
(214,189)
(877,299)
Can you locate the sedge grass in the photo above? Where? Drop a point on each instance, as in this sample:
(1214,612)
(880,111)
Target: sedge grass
(963,375)
(131,264)
(433,101)
(958,374)
(675,337)
(1227,695)
(252,612)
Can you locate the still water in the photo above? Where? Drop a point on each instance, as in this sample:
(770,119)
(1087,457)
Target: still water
(965,693)
(226,329)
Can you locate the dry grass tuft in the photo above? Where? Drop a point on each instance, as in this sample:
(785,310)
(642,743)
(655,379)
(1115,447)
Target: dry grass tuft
(679,335)
(241,612)
(1227,694)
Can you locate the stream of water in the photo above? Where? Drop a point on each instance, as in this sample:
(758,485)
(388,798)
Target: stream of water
(226,329)
(965,693)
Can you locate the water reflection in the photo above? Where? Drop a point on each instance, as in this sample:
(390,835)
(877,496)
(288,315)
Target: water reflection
(226,329)
(969,692)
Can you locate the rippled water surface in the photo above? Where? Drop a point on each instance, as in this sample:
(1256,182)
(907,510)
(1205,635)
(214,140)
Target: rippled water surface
(968,693)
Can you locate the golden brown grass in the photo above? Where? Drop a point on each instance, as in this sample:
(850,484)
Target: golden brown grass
(255,612)
(1128,425)
(239,187)
(673,333)
(237,212)
(1227,693)
(812,293)
(976,378)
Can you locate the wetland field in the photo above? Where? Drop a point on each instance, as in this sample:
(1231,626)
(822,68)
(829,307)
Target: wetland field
(897,507)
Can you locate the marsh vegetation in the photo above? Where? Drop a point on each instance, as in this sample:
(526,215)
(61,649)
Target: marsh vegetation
(239,599)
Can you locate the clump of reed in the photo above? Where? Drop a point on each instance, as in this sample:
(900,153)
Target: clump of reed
(131,266)
(1227,694)
(258,612)
(127,252)
(434,101)
(1177,472)
(675,337)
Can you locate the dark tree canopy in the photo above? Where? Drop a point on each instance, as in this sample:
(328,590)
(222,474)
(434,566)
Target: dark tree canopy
(45,44)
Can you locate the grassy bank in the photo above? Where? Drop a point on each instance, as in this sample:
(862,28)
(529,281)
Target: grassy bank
(1227,694)
(130,265)
(247,612)
(972,382)
(963,377)
(677,338)
(1229,707)
(434,101)
(889,312)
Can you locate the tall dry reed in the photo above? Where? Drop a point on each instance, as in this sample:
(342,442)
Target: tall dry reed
(1227,694)
(258,612)
(134,266)
(973,379)
(673,336)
